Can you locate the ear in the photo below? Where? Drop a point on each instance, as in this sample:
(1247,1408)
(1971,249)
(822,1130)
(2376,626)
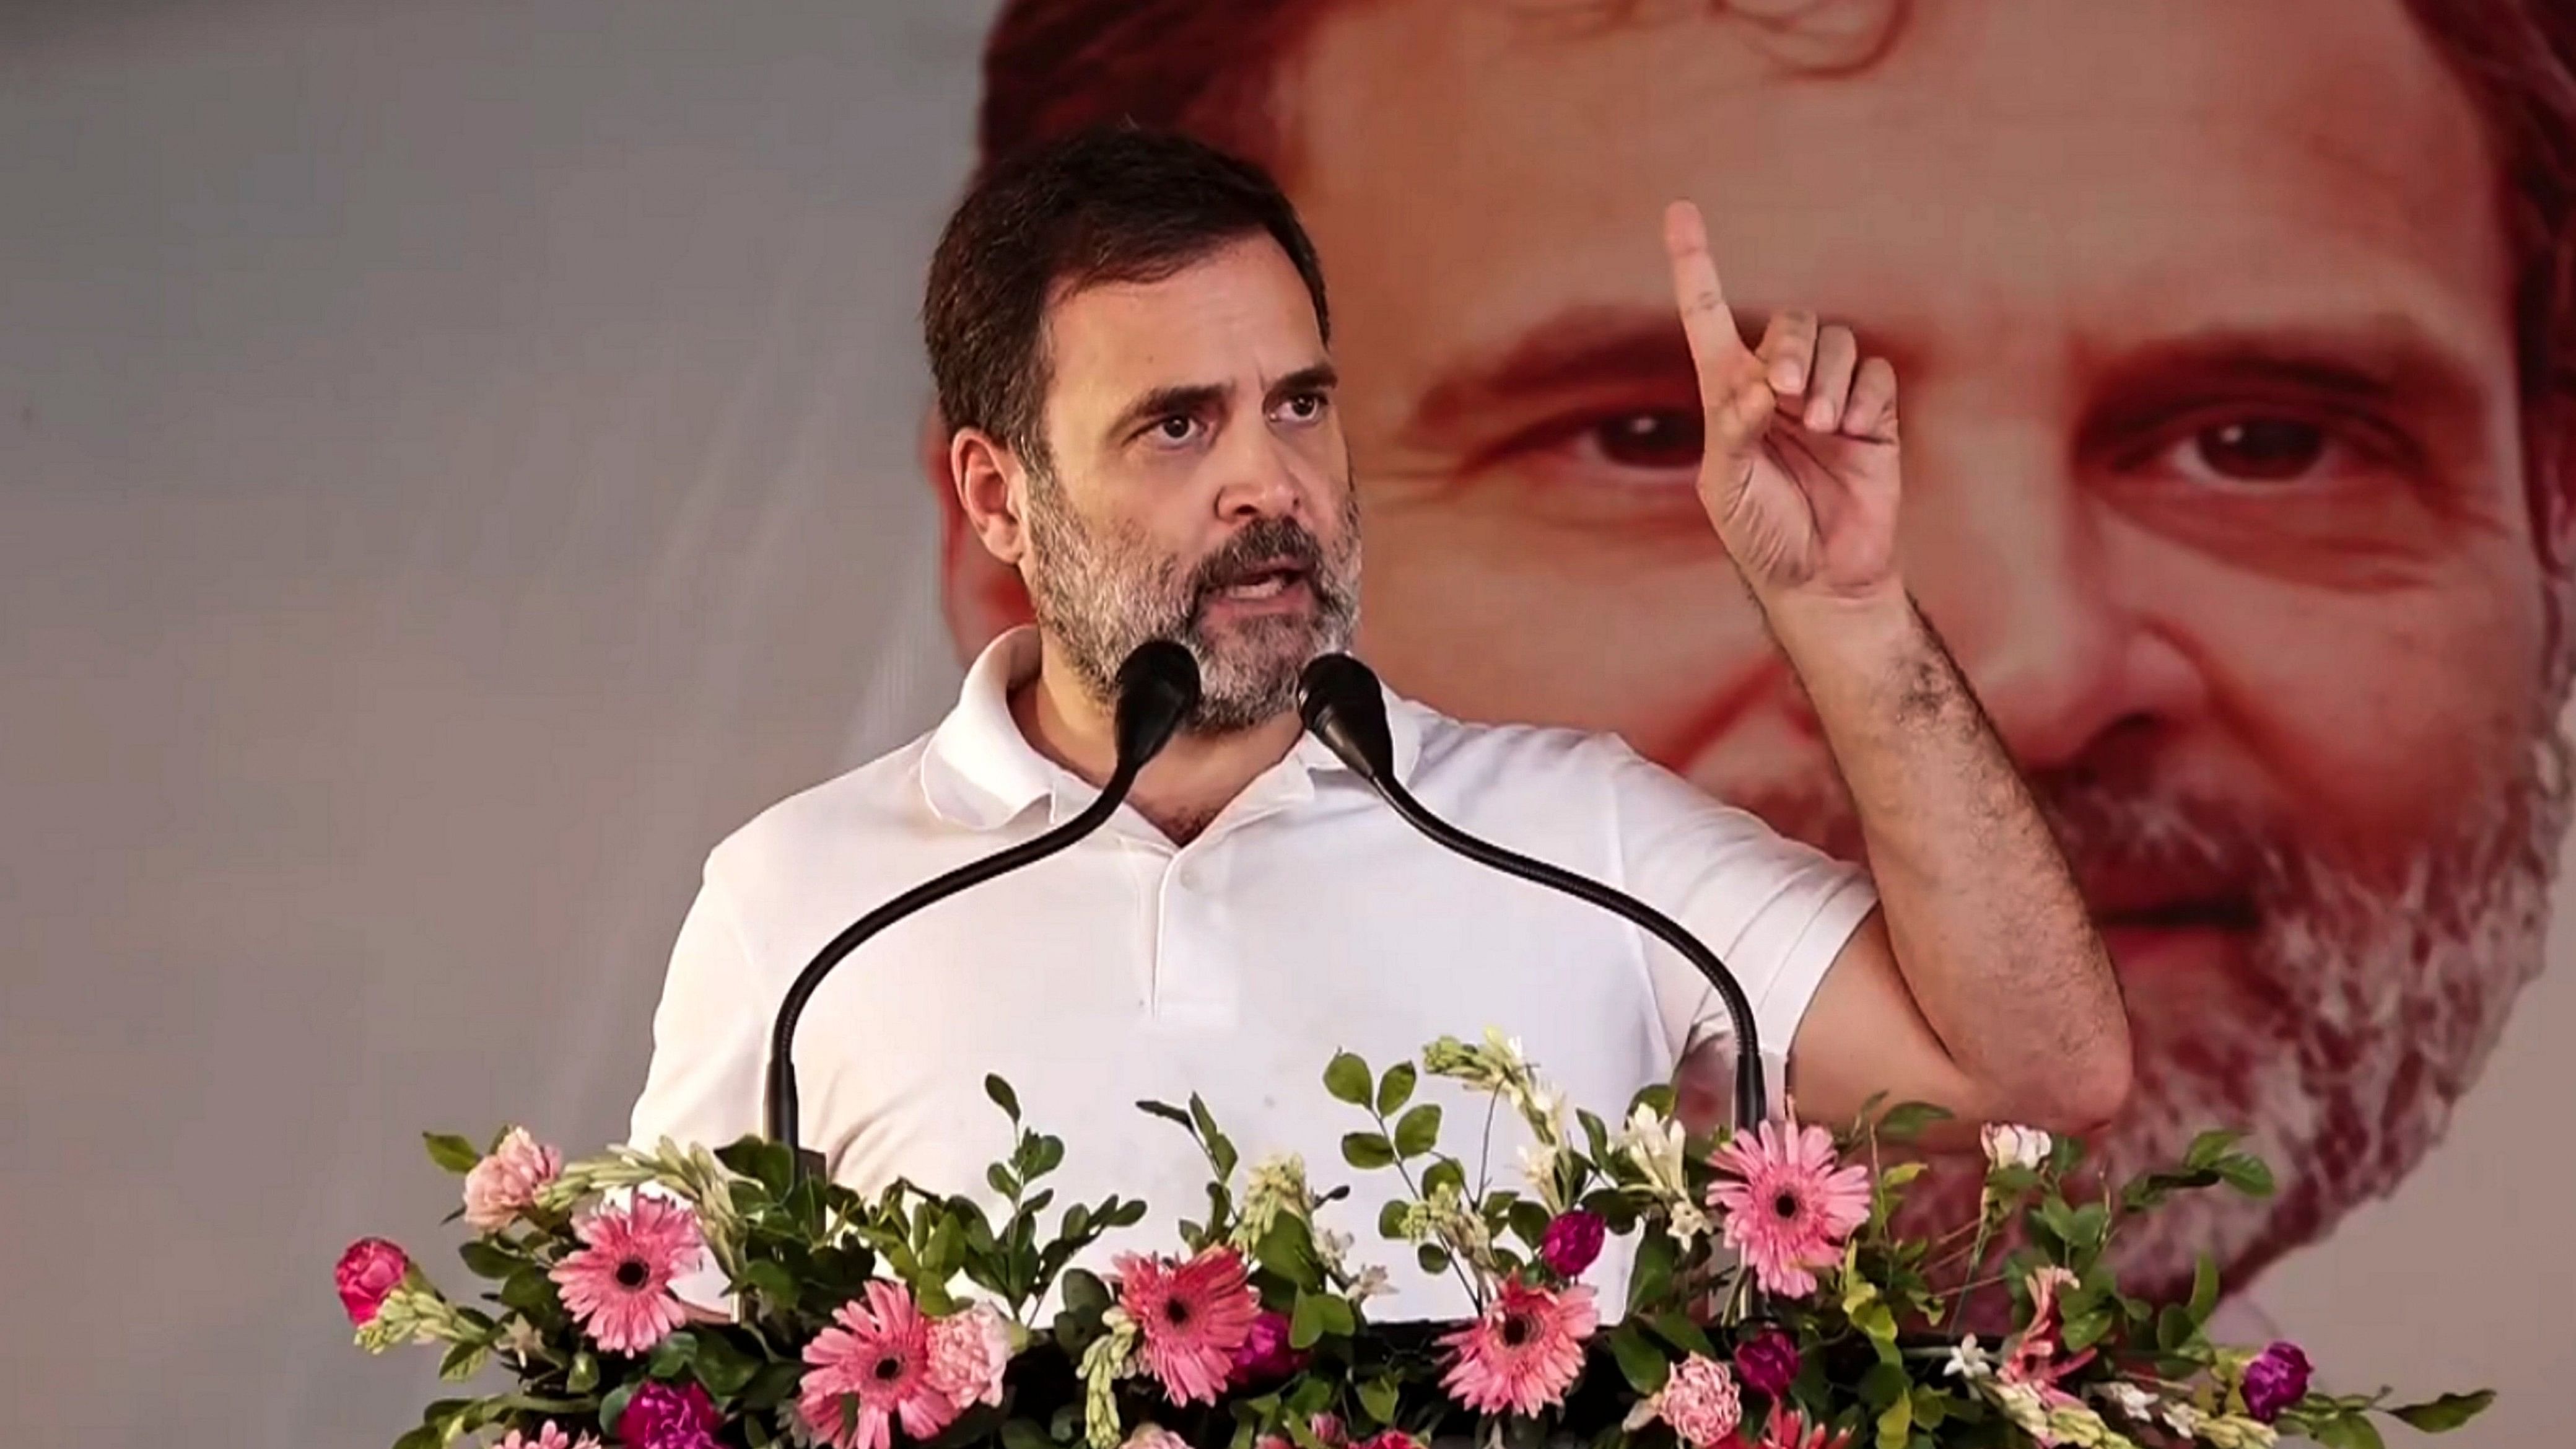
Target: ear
(980,595)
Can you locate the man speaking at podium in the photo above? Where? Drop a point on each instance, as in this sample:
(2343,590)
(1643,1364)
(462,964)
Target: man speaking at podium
(1129,336)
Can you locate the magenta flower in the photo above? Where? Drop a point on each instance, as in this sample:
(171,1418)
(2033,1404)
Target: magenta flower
(1265,1354)
(870,1370)
(1192,1319)
(1768,1362)
(1391,1439)
(367,1275)
(506,1182)
(1524,1352)
(618,1285)
(2276,1379)
(663,1417)
(1789,1208)
(1572,1241)
(549,1436)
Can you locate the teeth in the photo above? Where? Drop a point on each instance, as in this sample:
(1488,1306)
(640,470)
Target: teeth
(1264,587)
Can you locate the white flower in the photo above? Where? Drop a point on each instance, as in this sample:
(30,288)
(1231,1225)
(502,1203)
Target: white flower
(2008,1145)
(2131,1400)
(1538,1167)
(1969,1362)
(1371,1283)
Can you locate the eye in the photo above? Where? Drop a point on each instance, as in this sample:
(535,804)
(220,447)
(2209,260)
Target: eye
(1303,407)
(2264,450)
(1652,441)
(1172,430)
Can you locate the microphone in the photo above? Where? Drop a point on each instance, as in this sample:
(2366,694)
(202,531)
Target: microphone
(1340,703)
(1158,686)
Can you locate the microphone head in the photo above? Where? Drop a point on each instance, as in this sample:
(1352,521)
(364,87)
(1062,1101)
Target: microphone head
(1340,703)
(1158,687)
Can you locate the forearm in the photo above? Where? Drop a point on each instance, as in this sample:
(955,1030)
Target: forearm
(1986,923)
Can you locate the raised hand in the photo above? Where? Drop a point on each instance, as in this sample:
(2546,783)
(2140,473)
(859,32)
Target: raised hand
(1798,471)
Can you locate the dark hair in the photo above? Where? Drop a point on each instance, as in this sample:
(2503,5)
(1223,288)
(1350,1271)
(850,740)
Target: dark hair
(1209,67)
(1102,204)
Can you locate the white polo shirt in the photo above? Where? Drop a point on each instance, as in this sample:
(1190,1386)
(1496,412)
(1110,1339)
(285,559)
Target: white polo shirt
(1306,919)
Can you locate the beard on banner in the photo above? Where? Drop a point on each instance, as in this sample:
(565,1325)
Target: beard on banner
(2358,1004)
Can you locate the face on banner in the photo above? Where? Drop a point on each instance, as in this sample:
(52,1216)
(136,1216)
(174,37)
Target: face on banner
(2214,463)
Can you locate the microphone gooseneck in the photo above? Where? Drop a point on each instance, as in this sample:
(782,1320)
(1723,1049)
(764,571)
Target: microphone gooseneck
(1158,687)
(1341,704)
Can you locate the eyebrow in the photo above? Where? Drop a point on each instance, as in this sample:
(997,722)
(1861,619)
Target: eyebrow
(1576,347)
(1201,397)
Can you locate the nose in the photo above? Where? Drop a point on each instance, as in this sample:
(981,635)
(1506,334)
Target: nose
(1260,479)
(2027,581)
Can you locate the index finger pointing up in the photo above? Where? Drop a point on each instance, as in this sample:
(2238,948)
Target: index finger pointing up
(1705,318)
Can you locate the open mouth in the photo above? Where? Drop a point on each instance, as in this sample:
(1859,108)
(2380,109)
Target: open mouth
(1269,581)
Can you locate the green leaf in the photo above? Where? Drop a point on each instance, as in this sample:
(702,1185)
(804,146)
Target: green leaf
(1395,1089)
(1896,1422)
(1446,1170)
(2208,1147)
(2086,1330)
(1002,1095)
(1677,1330)
(672,1355)
(723,1368)
(1348,1078)
(1651,1276)
(1002,1181)
(2349,1431)
(1905,1123)
(1049,1157)
(2247,1175)
(2440,1416)
(1129,1214)
(451,1151)
(1024,1434)
(614,1406)
(1931,1406)
(584,1375)
(1390,1220)
(2204,1289)
(462,1361)
(1287,1251)
(1378,1397)
(1084,1292)
(488,1260)
(1367,1150)
(1433,1258)
(773,1283)
(1640,1362)
(1419,1131)
(427,1436)
(2174,1328)
(1168,1113)
(1529,1221)
(1306,1320)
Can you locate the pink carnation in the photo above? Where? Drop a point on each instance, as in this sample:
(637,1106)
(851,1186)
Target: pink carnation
(1572,1241)
(1700,1401)
(968,1353)
(663,1417)
(1391,1439)
(1265,1354)
(506,1182)
(367,1275)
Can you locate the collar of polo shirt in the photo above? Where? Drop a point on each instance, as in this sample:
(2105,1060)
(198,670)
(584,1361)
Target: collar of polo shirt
(980,772)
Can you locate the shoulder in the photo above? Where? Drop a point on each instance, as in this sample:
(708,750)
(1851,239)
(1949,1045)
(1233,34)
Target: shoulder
(858,811)
(1455,754)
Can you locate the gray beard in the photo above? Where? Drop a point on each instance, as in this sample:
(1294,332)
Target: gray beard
(1100,593)
(2378,1004)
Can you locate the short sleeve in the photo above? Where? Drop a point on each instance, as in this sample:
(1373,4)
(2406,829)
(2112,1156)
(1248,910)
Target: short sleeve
(710,1037)
(1775,910)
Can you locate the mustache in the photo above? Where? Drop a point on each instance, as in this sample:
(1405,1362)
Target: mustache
(1261,546)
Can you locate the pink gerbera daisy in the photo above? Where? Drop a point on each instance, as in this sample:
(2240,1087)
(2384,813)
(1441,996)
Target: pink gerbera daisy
(871,1368)
(1191,1318)
(619,1284)
(1791,1208)
(1524,1352)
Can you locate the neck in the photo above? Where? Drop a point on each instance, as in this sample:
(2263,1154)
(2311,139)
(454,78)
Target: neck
(1188,784)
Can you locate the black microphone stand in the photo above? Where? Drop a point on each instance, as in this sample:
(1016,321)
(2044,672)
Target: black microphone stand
(1342,706)
(1158,687)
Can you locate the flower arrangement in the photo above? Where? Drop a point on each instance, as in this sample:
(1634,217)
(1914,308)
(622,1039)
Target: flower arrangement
(1769,1303)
